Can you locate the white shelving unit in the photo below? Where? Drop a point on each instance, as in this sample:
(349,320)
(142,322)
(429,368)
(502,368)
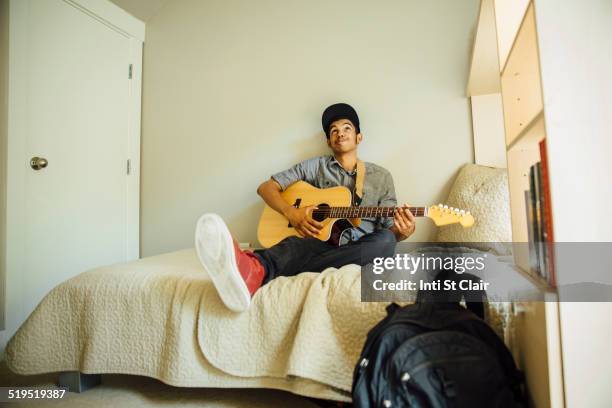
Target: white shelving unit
(554,82)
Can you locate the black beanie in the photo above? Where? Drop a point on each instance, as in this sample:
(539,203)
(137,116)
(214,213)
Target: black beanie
(336,112)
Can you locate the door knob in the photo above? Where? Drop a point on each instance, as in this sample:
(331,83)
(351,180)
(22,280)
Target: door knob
(38,163)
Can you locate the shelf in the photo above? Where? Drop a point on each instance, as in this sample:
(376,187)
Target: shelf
(508,17)
(484,66)
(532,337)
(534,331)
(536,325)
(520,80)
(532,133)
(541,285)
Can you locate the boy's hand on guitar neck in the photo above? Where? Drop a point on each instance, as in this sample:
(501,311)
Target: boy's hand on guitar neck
(404,223)
(301,219)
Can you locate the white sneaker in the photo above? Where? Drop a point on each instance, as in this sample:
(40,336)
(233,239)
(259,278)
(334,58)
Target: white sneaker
(215,247)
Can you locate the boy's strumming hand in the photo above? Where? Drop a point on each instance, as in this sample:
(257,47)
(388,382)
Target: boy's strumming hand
(301,220)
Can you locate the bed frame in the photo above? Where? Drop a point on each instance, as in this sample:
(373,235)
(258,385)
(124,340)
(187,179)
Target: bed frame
(79,382)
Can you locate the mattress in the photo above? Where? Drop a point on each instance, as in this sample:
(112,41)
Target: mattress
(161,317)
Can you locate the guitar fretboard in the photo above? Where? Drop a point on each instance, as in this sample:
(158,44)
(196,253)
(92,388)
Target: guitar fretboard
(365,212)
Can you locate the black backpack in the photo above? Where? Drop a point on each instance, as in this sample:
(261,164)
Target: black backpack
(435,354)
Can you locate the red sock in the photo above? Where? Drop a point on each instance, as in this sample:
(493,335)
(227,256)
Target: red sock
(251,269)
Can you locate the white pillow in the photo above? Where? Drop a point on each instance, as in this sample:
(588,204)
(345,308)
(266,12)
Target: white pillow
(484,192)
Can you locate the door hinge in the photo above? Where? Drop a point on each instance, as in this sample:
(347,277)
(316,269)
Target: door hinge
(129,166)
(130,71)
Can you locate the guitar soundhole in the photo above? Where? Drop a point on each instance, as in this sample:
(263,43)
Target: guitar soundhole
(321,213)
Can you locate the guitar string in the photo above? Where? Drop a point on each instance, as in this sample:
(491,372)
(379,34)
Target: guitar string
(363,209)
(352,212)
(367,208)
(322,211)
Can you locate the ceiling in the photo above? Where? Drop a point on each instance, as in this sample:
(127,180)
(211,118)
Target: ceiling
(141,9)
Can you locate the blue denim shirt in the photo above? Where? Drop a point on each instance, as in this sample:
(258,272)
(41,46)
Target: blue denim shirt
(326,171)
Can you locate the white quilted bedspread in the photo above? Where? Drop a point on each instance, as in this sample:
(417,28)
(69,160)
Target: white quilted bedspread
(161,317)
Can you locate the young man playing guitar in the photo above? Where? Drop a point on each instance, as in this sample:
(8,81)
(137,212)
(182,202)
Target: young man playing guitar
(237,274)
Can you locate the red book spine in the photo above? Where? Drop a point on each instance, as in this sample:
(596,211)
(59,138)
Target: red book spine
(548,225)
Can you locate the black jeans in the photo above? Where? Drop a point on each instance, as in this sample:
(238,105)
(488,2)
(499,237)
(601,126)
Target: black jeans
(294,255)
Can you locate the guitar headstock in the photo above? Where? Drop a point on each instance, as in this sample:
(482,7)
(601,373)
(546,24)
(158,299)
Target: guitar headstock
(445,215)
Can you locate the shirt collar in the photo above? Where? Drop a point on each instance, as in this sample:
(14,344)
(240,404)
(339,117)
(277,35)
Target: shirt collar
(352,173)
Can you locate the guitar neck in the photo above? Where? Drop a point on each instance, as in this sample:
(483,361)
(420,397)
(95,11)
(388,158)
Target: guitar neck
(366,212)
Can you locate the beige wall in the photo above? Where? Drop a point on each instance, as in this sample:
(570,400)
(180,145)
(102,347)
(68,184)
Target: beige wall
(233,91)
(4,48)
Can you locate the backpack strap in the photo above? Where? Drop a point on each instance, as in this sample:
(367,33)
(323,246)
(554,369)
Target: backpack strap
(391,308)
(474,299)
(477,308)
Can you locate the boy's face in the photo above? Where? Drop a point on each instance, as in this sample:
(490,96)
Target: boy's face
(343,137)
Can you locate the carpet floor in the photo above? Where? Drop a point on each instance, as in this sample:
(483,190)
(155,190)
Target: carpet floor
(118,391)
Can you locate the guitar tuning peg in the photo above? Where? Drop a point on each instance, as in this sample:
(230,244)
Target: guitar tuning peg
(446,207)
(440,205)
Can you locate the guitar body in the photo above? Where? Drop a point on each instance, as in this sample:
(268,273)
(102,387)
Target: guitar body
(274,227)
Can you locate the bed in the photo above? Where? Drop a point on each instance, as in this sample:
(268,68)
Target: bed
(161,317)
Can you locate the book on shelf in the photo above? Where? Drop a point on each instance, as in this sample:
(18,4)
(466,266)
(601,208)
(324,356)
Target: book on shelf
(547,215)
(534,243)
(537,206)
(539,197)
(539,220)
(533,265)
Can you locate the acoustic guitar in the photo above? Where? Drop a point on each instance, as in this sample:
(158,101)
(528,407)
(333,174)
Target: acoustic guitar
(335,212)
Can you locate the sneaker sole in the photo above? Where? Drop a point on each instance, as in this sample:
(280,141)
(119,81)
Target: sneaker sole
(215,249)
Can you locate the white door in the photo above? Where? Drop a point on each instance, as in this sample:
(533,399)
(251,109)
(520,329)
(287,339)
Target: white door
(77,210)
